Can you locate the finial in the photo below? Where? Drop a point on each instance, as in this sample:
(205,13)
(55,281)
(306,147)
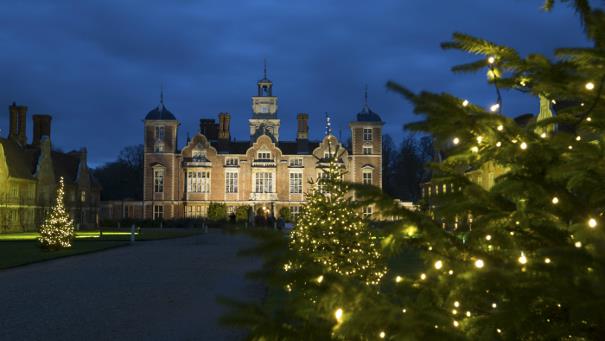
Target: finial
(162,94)
(328,125)
(366,96)
(188,138)
(265,70)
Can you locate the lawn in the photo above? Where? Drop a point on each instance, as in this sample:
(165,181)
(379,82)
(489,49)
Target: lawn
(22,248)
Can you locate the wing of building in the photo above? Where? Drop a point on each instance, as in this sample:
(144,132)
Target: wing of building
(29,174)
(264,172)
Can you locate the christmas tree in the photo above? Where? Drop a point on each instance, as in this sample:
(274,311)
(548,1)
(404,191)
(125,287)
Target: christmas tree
(57,231)
(333,233)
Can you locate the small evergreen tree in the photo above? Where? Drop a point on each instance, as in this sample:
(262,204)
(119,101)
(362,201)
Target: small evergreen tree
(242,213)
(217,212)
(57,231)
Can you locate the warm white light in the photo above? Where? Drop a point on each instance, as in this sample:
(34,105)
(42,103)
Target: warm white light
(456,324)
(464,103)
(320,279)
(491,60)
(479,139)
(479,263)
(500,128)
(451,272)
(498,144)
(398,279)
(588,119)
(578,244)
(523,145)
(468,313)
(578,138)
(454,311)
(382,335)
(522,259)
(592,223)
(499,330)
(570,147)
(438,264)
(488,237)
(404,310)
(547,260)
(475,149)
(589,86)
(494,107)
(456,304)
(543,135)
(494,305)
(555,200)
(423,276)
(338,314)
(456,140)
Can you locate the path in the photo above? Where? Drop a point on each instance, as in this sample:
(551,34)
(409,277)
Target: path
(158,290)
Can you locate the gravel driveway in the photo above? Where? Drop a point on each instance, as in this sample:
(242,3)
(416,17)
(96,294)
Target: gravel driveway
(157,290)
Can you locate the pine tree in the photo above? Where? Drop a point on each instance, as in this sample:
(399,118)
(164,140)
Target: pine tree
(333,233)
(57,231)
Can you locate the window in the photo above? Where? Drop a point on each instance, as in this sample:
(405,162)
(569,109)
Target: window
(231,161)
(196,211)
(263,155)
(444,188)
(367,150)
(198,182)
(264,182)
(328,154)
(159,133)
(296,162)
(83,196)
(320,182)
(366,177)
(367,212)
(296,183)
(367,134)
(198,155)
(231,182)
(158,212)
(159,147)
(294,212)
(158,180)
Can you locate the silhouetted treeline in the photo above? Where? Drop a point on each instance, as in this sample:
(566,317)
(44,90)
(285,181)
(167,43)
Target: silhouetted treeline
(123,178)
(404,165)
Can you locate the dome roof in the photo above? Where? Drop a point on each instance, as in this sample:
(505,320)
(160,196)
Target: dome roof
(160,113)
(367,115)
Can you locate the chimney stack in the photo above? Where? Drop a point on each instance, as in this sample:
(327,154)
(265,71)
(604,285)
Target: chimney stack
(18,118)
(302,133)
(209,128)
(224,120)
(41,128)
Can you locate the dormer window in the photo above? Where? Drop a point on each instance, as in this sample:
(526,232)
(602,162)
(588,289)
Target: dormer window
(367,150)
(198,155)
(159,133)
(367,134)
(263,155)
(296,162)
(231,161)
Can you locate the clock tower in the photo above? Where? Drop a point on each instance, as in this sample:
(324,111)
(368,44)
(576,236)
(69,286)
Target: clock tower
(264,111)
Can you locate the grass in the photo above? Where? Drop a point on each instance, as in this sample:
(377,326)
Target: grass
(18,249)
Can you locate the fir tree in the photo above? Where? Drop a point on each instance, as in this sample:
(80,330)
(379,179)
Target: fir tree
(57,231)
(333,233)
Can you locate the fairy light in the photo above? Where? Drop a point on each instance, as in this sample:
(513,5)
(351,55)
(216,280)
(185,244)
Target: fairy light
(498,144)
(57,230)
(423,276)
(547,260)
(451,272)
(570,147)
(578,138)
(499,330)
(479,139)
(404,310)
(555,200)
(454,311)
(543,135)
(465,103)
(320,279)
(522,259)
(338,315)
(456,324)
(491,60)
(398,279)
(588,119)
(479,264)
(592,223)
(456,304)
(488,237)
(382,335)
(494,107)
(589,86)
(523,145)
(494,305)
(456,140)
(468,313)
(438,264)
(474,149)
(578,244)
(500,127)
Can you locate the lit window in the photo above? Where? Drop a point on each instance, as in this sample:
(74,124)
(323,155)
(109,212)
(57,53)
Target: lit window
(444,188)
(296,183)
(367,212)
(367,134)
(231,161)
(158,147)
(264,155)
(231,182)
(321,182)
(264,182)
(83,196)
(367,150)
(367,177)
(159,133)
(296,162)
(294,212)
(198,182)
(158,212)
(158,180)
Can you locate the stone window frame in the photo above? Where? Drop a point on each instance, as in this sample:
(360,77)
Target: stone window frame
(231,182)
(198,181)
(295,188)
(367,134)
(367,150)
(159,176)
(158,212)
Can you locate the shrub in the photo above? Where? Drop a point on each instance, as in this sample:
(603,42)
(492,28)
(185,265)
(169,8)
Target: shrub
(217,212)
(241,213)
(284,212)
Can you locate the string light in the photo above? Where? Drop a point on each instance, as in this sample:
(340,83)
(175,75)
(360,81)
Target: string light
(451,272)
(57,231)
(488,237)
(547,260)
(454,311)
(456,324)
(498,144)
(588,119)
(522,259)
(465,103)
(438,264)
(543,135)
(456,304)
(404,310)
(578,244)
(578,138)
(423,276)
(491,60)
(523,145)
(382,335)
(500,128)
(555,200)
(592,223)
(398,279)
(468,313)
(479,263)
(475,149)
(456,140)
(494,305)
(320,279)
(494,107)
(589,86)
(338,315)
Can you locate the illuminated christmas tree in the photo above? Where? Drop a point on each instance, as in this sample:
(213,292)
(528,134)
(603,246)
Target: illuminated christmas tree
(333,233)
(57,231)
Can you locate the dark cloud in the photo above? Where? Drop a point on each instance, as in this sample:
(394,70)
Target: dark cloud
(98,66)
